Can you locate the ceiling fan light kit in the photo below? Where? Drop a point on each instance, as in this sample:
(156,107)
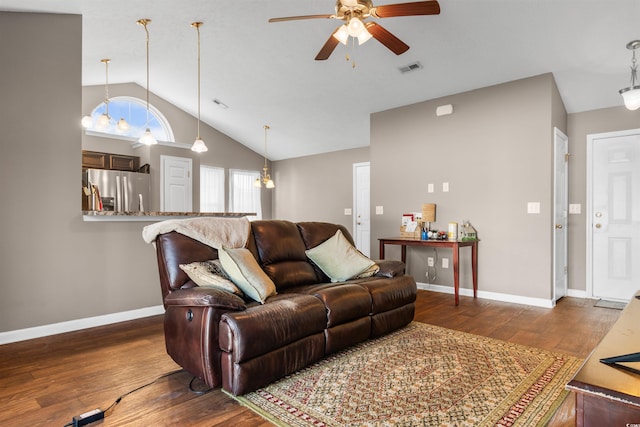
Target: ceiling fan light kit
(355,13)
(631,94)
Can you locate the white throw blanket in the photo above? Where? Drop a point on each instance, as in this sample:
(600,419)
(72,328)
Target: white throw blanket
(212,231)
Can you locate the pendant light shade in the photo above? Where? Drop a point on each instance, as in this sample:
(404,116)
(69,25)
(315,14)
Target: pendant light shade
(198,145)
(147,138)
(631,94)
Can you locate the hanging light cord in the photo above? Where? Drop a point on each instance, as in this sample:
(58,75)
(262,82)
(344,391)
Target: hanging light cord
(106,86)
(144,23)
(197,27)
(266,127)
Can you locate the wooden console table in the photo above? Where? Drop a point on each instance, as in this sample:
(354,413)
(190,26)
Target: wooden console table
(455,246)
(605,395)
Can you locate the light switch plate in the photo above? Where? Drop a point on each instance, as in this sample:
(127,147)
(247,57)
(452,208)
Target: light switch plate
(379,210)
(575,208)
(429,188)
(533,207)
(347,211)
(445,187)
(445,262)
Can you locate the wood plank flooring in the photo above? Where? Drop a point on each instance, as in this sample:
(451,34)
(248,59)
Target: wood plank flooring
(47,381)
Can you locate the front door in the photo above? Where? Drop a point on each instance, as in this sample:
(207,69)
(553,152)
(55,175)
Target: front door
(362,208)
(614,214)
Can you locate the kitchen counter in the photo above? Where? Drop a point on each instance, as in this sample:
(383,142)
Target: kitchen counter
(106,216)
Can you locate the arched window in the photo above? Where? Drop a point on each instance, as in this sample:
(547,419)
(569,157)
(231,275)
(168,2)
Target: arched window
(134,111)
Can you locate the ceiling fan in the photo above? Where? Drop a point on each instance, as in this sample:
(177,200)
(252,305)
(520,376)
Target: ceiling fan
(354,13)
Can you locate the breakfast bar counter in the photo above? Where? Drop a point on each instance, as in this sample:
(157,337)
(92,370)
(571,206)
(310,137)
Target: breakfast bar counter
(111,216)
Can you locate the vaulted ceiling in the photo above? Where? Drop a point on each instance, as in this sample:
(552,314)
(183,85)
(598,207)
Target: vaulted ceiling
(266,73)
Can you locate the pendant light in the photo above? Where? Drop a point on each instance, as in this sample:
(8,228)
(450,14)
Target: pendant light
(266,178)
(198,145)
(104,121)
(147,138)
(631,94)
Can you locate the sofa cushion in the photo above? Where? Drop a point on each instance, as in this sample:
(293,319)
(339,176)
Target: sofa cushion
(244,271)
(339,259)
(210,274)
(281,251)
(283,320)
(313,233)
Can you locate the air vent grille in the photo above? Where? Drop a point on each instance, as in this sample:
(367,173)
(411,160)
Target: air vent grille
(220,104)
(414,66)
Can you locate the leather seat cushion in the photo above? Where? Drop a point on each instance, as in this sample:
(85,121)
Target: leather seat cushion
(344,303)
(282,320)
(388,294)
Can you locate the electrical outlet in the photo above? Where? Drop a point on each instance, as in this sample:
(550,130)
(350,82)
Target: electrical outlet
(445,187)
(430,261)
(445,262)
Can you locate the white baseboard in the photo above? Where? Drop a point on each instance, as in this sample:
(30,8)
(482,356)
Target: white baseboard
(516,299)
(576,293)
(78,324)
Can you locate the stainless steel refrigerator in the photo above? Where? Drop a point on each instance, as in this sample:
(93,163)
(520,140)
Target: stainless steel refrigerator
(120,191)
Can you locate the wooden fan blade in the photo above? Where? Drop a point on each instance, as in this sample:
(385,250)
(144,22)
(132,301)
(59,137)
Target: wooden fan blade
(430,7)
(296,18)
(328,47)
(392,43)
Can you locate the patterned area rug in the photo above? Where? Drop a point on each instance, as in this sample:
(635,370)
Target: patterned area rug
(421,375)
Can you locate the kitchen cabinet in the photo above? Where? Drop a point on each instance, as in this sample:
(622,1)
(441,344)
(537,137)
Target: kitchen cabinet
(98,160)
(93,160)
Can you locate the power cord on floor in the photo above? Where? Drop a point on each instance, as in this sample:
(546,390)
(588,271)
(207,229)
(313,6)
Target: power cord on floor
(98,414)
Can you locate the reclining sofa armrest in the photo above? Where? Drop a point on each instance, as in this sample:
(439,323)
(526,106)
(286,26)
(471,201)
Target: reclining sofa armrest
(205,297)
(191,329)
(390,268)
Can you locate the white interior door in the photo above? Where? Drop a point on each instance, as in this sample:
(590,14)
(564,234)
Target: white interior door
(175,181)
(561,203)
(614,214)
(362,209)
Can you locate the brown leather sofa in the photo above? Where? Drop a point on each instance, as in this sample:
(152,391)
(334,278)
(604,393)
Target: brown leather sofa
(243,345)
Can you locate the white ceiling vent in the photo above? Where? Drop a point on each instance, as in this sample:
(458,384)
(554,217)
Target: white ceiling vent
(410,67)
(220,104)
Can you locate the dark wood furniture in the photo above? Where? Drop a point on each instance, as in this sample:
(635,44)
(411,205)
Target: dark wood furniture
(605,395)
(455,246)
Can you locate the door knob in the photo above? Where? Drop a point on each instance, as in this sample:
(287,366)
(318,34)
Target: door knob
(558,226)
(598,225)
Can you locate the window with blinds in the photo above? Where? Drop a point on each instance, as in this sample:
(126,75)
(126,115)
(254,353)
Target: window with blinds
(211,189)
(244,196)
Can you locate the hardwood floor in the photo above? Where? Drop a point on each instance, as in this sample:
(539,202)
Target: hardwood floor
(47,381)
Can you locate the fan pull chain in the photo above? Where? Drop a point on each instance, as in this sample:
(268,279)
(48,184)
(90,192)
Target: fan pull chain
(353,54)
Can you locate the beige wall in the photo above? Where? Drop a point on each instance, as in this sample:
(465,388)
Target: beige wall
(496,153)
(580,125)
(317,188)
